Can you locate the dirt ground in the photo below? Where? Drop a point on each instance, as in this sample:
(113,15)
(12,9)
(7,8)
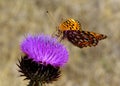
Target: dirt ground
(95,66)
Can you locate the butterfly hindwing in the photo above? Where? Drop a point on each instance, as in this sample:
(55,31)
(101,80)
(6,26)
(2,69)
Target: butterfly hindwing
(83,38)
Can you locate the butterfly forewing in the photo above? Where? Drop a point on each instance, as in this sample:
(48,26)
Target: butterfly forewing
(70,24)
(83,38)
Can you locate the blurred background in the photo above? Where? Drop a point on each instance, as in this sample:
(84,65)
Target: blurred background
(91,66)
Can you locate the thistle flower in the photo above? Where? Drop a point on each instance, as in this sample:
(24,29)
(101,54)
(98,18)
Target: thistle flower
(43,58)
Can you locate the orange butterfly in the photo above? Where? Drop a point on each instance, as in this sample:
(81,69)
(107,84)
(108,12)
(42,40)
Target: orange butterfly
(71,30)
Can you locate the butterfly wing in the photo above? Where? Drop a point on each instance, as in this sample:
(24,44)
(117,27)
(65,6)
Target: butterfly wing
(83,38)
(70,24)
(98,36)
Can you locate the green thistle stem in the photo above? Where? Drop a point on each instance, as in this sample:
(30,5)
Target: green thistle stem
(34,83)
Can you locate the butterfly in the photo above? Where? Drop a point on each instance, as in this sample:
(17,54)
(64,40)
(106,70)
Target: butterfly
(71,30)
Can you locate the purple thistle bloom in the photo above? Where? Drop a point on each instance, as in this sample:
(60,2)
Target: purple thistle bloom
(44,49)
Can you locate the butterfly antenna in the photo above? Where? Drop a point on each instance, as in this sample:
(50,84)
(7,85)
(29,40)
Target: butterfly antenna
(52,19)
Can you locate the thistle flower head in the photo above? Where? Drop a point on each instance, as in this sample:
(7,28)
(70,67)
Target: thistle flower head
(43,58)
(45,49)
